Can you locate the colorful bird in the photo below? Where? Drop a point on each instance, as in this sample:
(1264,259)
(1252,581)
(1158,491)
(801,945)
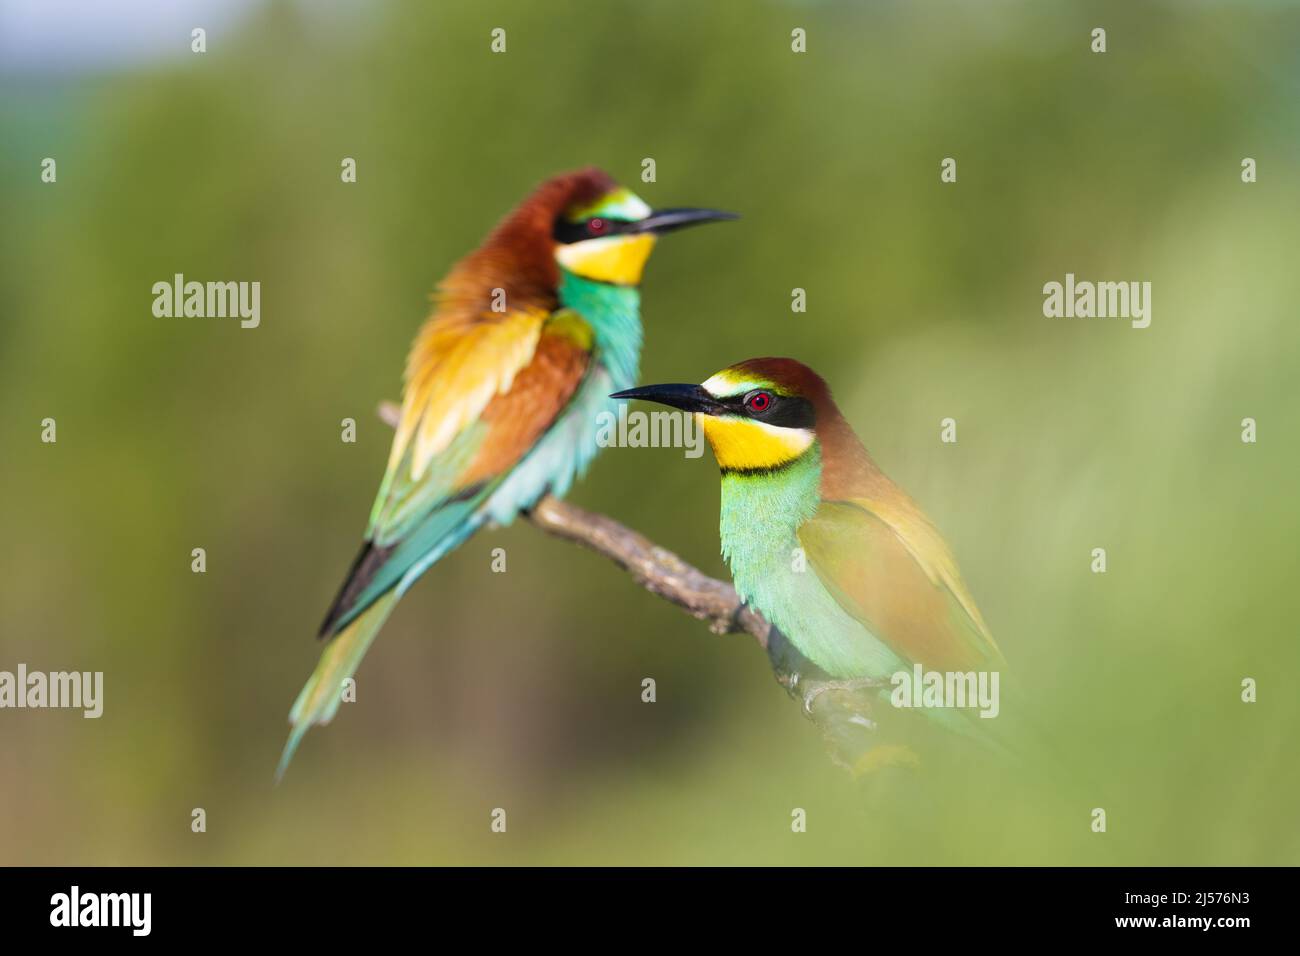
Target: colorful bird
(503,389)
(830,550)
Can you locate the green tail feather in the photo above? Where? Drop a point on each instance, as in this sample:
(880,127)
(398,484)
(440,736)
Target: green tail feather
(320,698)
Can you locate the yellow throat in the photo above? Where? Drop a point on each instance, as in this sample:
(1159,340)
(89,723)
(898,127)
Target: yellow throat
(743,445)
(616,259)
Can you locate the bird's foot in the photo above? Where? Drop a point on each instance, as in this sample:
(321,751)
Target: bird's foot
(812,689)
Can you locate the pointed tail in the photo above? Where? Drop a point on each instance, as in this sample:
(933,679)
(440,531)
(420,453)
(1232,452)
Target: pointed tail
(320,698)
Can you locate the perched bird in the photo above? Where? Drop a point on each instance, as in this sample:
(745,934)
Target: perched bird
(830,550)
(503,388)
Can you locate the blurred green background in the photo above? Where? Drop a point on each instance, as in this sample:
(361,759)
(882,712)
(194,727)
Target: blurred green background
(522,690)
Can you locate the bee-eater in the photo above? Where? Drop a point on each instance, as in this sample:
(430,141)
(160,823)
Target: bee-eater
(503,388)
(833,553)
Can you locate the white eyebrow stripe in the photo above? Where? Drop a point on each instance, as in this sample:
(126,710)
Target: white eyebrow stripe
(628,206)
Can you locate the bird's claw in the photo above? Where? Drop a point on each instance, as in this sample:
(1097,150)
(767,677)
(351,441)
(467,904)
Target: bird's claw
(814,689)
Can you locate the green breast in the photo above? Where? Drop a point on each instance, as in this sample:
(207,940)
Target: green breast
(614,314)
(760,518)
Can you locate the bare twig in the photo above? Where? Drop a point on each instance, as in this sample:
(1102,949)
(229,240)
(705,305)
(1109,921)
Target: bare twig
(656,569)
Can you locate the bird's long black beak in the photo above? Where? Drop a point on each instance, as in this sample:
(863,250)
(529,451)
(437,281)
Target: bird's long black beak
(690,398)
(666,220)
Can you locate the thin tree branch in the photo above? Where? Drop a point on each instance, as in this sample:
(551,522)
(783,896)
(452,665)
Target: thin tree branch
(656,569)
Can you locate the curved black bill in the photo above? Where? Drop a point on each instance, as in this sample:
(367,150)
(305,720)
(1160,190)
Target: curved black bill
(690,398)
(666,220)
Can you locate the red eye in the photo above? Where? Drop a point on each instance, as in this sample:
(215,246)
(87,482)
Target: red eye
(597,227)
(758,402)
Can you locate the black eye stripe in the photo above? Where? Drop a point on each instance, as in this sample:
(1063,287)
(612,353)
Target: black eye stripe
(566,232)
(785,411)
